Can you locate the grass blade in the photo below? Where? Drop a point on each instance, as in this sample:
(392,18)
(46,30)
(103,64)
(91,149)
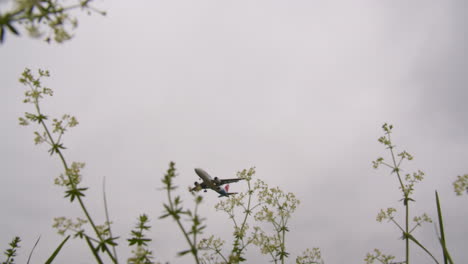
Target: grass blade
(445,252)
(52,257)
(32,250)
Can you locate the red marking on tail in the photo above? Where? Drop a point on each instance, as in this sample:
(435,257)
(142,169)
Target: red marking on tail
(227,188)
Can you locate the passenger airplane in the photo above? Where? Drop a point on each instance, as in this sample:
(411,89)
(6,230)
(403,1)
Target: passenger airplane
(214,184)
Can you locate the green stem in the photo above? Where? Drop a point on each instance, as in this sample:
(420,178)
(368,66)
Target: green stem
(107,214)
(405,195)
(32,250)
(395,166)
(220,254)
(283,247)
(398,225)
(406,229)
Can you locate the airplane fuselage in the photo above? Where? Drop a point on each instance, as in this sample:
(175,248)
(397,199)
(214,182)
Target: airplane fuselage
(211,183)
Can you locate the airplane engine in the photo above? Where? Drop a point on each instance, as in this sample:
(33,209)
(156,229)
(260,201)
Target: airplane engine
(217,181)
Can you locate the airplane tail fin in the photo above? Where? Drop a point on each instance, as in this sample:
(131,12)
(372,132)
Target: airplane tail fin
(227,193)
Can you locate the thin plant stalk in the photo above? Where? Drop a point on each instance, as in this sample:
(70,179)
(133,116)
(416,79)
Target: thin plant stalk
(396,169)
(32,250)
(106,210)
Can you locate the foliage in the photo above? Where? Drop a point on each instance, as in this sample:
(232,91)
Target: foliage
(406,186)
(36,15)
(260,216)
(72,176)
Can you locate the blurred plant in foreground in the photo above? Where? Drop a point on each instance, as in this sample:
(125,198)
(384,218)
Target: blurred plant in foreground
(35,15)
(141,254)
(11,252)
(174,208)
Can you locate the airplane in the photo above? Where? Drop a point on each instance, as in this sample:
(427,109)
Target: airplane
(214,184)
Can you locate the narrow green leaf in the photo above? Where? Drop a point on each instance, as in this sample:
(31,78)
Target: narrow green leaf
(12,29)
(181,253)
(73,193)
(445,252)
(52,257)
(164,216)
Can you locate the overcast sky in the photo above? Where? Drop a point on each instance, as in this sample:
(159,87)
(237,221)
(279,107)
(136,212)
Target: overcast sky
(299,89)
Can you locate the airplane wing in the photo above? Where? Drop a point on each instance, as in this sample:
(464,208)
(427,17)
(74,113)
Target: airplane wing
(226,181)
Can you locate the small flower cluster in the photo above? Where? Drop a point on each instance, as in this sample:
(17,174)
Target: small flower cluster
(310,256)
(73,175)
(274,200)
(63,224)
(37,91)
(379,256)
(33,95)
(384,215)
(211,248)
(424,218)
(461,184)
